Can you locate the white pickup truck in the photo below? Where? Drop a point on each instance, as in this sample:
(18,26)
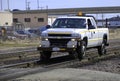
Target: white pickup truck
(73,34)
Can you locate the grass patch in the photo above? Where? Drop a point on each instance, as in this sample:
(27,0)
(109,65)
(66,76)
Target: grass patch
(16,45)
(8,44)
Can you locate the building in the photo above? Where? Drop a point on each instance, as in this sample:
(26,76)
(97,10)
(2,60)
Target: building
(6,18)
(113,22)
(23,19)
(30,18)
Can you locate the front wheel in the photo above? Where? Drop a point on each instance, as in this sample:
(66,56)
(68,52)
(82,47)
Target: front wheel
(81,50)
(45,56)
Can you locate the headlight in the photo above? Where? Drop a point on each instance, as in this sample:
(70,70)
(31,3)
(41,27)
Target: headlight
(44,37)
(72,39)
(76,35)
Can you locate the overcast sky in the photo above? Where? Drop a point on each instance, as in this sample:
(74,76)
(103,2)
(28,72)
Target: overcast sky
(53,4)
(20,4)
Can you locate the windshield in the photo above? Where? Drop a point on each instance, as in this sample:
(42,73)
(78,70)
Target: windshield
(69,23)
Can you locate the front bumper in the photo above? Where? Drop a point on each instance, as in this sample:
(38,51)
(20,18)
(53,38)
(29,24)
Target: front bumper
(56,49)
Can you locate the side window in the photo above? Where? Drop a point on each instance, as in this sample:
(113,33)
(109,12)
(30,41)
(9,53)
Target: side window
(90,25)
(27,19)
(40,19)
(15,20)
(94,23)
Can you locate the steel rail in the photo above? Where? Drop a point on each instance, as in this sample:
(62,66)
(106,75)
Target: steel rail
(29,50)
(16,53)
(26,63)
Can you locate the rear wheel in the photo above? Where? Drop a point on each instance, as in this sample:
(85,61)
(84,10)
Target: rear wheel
(81,50)
(45,56)
(102,49)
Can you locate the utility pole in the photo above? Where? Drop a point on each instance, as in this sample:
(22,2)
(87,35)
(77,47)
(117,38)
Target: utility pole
(47,13)
(26,4)
(47,9)
(102,19)
(8,4)
(1,5)
(38,4)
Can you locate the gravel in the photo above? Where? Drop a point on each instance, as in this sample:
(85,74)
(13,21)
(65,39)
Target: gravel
(100,71)
(112,65)
(71,74)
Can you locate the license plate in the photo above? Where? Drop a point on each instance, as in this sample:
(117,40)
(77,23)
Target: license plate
(56,49)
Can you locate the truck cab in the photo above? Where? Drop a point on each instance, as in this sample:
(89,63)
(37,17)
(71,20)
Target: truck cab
(73,34)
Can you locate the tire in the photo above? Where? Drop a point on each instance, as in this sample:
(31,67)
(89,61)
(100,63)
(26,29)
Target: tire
(102,49)
(45,56)
(81,50)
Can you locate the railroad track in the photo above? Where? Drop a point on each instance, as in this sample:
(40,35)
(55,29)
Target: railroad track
(19,52)
(18,56)
(15,53)
(91,54)
(58,62)
(23,55)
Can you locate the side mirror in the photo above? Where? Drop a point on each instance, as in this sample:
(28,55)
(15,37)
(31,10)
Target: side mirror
(48,26)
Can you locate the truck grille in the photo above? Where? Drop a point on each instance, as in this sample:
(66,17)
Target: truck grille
(63,35)
(59,42)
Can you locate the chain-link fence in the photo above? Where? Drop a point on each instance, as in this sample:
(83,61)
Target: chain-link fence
(19,36)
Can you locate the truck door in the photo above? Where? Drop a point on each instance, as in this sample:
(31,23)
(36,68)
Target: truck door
(93,34)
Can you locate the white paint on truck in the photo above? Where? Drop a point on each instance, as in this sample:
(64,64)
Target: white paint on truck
(74,33)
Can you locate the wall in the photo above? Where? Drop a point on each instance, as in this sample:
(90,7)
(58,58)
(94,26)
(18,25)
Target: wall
(34,19)
(6,18)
